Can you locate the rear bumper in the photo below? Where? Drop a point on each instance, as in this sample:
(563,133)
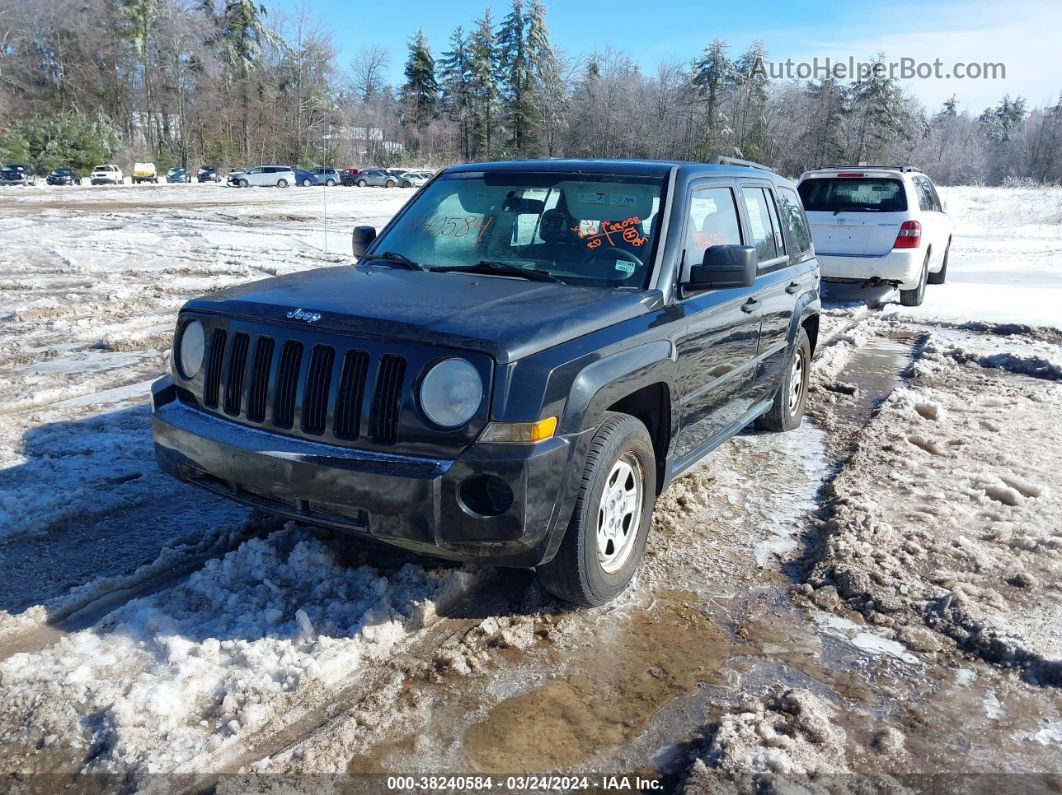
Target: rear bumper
(902,266)
(422,504)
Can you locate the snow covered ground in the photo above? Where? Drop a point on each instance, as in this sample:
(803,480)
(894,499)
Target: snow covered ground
(827,601)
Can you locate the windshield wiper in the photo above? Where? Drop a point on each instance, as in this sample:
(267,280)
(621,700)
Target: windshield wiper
(399,259)
(501,269)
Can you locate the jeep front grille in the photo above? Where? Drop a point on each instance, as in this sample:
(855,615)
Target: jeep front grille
(318,384)
(287,384)
(310,388)
(213,373)
(383,426)
(237,368)
(259,393)
(351,394)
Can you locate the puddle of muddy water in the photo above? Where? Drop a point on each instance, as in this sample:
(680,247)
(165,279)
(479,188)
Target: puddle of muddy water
(875,370)
(660,653)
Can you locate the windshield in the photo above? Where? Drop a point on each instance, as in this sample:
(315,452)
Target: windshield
(585,229)
(853,195)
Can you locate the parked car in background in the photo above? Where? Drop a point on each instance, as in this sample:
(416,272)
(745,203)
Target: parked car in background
(144,172)
(208,174)
(329,176)
(107,175)
(348,177)
(63,176)
(264,176)
(376,178)
(410,179)
(875,225)
(17,174)
(178,175)
(305,177)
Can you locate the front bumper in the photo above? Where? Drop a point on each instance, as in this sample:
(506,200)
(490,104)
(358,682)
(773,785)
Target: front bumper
(408,501)
(902,266)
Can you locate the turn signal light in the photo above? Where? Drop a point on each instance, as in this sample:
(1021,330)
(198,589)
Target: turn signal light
(520,431)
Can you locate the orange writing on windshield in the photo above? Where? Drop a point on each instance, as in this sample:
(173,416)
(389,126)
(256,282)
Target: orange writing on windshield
(626,230)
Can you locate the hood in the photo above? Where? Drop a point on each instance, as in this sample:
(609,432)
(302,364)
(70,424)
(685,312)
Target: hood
(508,318)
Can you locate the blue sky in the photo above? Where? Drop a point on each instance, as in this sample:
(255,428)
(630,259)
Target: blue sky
(1022,34)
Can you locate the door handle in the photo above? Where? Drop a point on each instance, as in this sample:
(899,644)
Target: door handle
(792,287)
(749,306)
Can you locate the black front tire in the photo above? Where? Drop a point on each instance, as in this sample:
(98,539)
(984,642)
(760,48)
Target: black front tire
(915,296)
(940,276)
(787,410)
(576,574)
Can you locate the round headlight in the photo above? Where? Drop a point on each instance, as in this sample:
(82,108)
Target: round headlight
(451,392)
(192,345)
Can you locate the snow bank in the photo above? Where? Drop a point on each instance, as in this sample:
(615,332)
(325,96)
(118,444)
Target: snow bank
(184,672)
(949,515)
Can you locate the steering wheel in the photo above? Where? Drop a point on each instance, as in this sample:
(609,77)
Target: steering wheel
(611,254)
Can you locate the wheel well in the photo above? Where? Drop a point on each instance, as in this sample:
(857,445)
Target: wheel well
(811,326)
(652,405)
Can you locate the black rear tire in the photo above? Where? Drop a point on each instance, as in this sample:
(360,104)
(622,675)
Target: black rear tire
(787,410)
(576,573)
(362,183)
(942,274)
(915,296)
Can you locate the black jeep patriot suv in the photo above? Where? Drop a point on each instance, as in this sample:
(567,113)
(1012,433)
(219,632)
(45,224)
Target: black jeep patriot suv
(515,368)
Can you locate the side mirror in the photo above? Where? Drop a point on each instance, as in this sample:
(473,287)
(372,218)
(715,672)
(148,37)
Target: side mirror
(361,238)
(724,266)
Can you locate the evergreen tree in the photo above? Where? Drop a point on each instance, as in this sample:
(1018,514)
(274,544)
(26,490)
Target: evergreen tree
(546,87)
(243,32)
(483,85)
(880,112)
(750,107)
(824,138)
(712,75)
(515,72)
(420,94)
(455,72)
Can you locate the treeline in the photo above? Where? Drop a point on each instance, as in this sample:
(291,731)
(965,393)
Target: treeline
(228,82)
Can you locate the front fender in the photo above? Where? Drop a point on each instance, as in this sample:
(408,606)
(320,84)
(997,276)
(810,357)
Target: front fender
(604,382)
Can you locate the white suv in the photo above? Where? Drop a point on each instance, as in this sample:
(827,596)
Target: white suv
(281,176)
(107,175)
(876,225)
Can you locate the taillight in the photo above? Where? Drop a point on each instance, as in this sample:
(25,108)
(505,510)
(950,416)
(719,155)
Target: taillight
(909,236)
(849,174)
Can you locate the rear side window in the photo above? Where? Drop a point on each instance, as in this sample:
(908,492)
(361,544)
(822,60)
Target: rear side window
(793,219)
(927,196)
(760,224)
(713,221)
(853,195)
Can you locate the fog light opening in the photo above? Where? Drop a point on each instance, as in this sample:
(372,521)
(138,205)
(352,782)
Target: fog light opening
(485,495)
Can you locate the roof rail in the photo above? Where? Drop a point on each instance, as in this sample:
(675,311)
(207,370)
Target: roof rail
(871,166)
(734,161)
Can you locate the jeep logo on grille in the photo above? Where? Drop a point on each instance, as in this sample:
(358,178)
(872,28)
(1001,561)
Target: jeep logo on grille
(302,314)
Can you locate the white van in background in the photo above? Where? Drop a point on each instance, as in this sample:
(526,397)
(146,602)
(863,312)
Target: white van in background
(876,225)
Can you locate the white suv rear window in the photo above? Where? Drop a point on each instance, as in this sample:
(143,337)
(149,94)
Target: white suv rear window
(854,195)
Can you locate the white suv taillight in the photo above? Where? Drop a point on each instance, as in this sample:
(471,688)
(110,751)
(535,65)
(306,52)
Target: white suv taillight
(909,236)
